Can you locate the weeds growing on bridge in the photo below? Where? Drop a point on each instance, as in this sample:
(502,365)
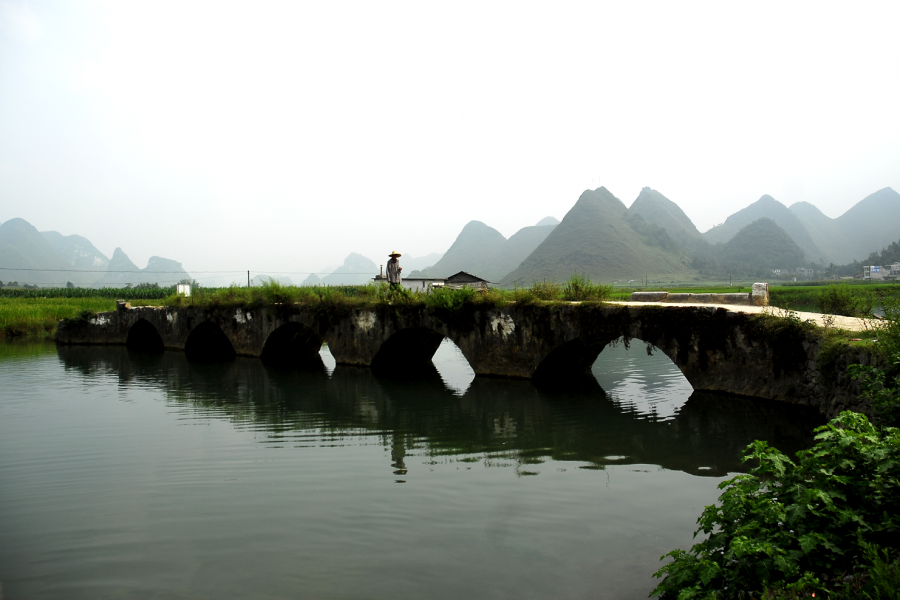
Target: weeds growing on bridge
(579,287)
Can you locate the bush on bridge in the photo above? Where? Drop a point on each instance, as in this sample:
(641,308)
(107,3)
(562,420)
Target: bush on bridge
(580,288)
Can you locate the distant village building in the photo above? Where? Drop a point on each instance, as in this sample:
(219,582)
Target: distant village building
(805,273)
(423,284)
(873,272)
(463,279)
(881,272)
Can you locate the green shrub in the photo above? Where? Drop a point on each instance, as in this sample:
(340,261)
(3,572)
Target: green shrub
(450,299)
(880,384)
(841,300)
(580,288)
(543,290)
(789,526)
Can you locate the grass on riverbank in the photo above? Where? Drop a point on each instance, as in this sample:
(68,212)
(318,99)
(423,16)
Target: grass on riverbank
(38,317)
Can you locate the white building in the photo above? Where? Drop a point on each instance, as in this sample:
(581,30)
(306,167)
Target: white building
(423,284)
(873,272)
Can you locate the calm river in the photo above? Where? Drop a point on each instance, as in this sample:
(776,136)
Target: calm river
(133,476)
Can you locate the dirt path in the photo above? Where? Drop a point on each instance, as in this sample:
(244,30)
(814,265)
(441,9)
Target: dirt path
(847,323)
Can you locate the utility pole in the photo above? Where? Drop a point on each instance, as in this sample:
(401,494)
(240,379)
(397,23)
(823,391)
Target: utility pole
(248,278)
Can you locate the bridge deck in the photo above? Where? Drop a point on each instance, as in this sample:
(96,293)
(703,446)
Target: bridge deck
(840,322)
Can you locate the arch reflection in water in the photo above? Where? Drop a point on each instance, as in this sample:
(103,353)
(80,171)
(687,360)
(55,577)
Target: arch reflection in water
(641,378)
(493,417)
(455,370)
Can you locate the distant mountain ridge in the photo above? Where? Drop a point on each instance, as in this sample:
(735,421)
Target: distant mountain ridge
(761,245)
(596,238)
(51,259)
(76,250)
(769,208)
(483,251)
(869,225)
(658,210)
(28,257)
(356,270)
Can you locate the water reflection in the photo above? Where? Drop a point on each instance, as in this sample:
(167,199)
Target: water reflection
(639,377)
(430,413)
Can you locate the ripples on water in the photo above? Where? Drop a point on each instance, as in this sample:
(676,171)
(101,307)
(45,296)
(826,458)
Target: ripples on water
(135,476)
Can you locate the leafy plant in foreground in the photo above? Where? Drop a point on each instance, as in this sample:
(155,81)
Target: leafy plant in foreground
(795,525)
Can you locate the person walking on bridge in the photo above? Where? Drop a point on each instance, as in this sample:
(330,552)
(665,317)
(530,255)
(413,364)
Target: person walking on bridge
(393,270)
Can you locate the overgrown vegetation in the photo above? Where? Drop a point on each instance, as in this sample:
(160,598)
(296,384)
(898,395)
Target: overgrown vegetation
(881,383)
(30,313)
(38,317)
(825,524)
(580,288)
(841,300)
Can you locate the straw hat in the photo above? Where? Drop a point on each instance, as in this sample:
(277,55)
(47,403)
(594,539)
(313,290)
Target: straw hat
(394,253)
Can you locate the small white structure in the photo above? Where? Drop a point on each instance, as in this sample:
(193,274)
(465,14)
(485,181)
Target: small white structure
(183,288)
(423,284)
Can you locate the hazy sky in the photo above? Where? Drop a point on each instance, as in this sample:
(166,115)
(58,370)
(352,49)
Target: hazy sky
(283,136)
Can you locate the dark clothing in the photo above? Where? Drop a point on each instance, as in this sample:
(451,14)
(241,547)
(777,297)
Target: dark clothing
(393,271)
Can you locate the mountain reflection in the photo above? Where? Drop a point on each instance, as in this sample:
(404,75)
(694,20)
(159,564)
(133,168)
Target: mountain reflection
(516,420)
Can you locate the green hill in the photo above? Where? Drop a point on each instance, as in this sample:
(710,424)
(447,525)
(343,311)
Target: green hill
(475,250)
(772,209)
(760,245)
(656,209)
(483,251)
(597,238)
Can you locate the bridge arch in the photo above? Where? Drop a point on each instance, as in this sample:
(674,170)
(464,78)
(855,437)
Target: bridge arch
(293,345)
(143,337)
(411,347)
(208,343)
(578,355)
(570,358)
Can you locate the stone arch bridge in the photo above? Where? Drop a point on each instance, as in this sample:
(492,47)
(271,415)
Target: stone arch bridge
(716,349)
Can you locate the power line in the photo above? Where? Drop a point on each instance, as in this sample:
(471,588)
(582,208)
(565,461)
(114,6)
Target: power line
(260,271)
